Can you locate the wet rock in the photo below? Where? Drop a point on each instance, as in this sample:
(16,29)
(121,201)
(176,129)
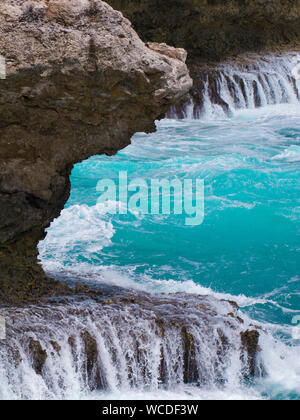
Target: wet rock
(250,340)
(90,349)
(161,327)
(163,369)
(92,367)
(191,374)
(107,301)
(14,356)
(38,354)
(257,98)
(223,341)
(71,342)
(212,30)
(232,303)
(55,346)
(165,339)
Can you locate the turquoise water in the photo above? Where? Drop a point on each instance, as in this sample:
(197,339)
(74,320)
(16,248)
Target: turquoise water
(248,246)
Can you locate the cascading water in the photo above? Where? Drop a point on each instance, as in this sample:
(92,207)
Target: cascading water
(129,342)
(245,83)
(172,333)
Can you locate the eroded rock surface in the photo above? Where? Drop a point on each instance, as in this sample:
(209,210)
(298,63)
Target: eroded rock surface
(215,29)
(79,82)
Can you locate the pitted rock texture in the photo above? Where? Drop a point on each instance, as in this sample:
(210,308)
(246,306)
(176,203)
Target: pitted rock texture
(214,29)
(79,82)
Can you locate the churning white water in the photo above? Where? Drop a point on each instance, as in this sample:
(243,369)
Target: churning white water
(130,342)
(168,335)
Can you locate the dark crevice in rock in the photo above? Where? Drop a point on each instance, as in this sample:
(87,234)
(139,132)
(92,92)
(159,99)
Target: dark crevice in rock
(191,374)
(94,377)
(38,355)
(250,340)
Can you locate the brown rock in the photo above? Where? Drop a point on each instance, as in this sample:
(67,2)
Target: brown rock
(164,49)
(250,341)
(213,30)
(38,355)
(79,82)
(55,346)
(92,367)
(191,373)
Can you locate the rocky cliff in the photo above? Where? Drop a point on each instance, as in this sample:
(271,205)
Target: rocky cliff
(79,81)
(214,29)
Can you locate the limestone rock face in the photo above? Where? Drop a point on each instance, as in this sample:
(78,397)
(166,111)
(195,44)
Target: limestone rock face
(214,29)
(162,48)
(79,82)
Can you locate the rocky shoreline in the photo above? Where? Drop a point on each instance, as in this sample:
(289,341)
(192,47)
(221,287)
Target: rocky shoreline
(79,82)
(216,34)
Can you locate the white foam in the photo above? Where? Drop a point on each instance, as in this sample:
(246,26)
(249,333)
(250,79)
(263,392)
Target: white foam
(187,392)
(78,226)
(291,154)
(125,277)
(92,229)
(282,364)
(119,331)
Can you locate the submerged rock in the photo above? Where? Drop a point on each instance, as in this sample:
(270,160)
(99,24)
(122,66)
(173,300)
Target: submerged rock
(79,82)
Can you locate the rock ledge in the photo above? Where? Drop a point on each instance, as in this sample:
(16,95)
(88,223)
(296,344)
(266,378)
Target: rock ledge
(79,82)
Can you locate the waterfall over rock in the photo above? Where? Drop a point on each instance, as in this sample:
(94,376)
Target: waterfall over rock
(129,341)
(244,83)
(176,331)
